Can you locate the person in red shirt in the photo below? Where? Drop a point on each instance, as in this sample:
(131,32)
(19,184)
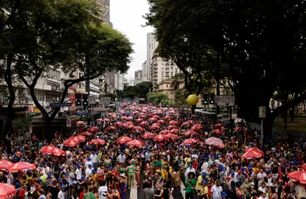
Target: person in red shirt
(21,192)
(82,193)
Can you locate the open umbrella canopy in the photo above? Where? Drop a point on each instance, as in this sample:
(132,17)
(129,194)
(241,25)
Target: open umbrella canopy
(80,123)
(123,139)
(190,141)
(52,150)
(86,133)
(155,126)
(7,191)
(218,131)
(298,176)
(159,137)
(99,120)
(110,128)
(164,131)
(215,142)
(175,131)
(190,133)
(161,121)
(148,135)
(137,143)
(173,122)
(93,129)
(97,142)
(196,127)
(5,164)
(80,138)
(172,127)
(218,125)
(21,166)
(172,136)
(71,142)
(252,153)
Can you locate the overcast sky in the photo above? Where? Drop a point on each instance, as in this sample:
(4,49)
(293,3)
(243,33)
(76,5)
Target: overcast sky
(126,16)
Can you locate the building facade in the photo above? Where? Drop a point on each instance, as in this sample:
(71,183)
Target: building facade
(145,74)
(119,81)
(138,77)
(159,69)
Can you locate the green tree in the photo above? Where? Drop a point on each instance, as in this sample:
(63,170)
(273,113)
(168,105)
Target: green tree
(44,35)
(257,45)
(143,88)
(158,98)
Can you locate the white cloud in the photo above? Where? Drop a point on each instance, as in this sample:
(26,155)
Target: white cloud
(127,17)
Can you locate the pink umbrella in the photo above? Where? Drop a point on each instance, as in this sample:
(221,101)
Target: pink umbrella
(7,191)
(52,150)
(148,135)
(298,176)
(71,142)
(172,136)
(175,131)
(123,139)
(159,137)
(155,126)
(190,133)
(86,133)
(97,142)
(21,166)
(252,153)
(134,143)
(214,142)
(5,164)
(190,141)
(80,123)
(164,131)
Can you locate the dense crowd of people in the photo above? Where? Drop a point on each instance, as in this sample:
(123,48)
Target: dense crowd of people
(163,152)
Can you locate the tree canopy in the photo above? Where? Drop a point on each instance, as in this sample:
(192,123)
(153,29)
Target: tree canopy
(258,45)
(39,36)
(139,90)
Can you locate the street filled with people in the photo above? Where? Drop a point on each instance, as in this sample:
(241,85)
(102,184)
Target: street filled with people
(160,153)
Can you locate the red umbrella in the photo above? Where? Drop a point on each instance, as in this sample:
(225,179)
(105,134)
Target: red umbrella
(254,149)
(153,119)
(304,166)
(218,131)
(239,128)
(80,138)
(123,139)
(138,128)
(99,120)
(190,141)
(173,122)
(172,136)
(21,166)
(148,135)
(214,142)
(218,125)
(144,123)
(252,153)
(110,128)
(175,131)
(190,133)
(134,143)
(164,131)
(155,126)
(298,176)
(185,124)
(161,121)
(196,127)
(71,142)
(93,129)
(7,191)
(80,123)
(139,120)
(106,120)
(159,137)
(97,142)
(172,127)
(86,133)
(5,164)
(52,150)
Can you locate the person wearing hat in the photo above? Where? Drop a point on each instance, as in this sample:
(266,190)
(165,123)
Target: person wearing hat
(61,193)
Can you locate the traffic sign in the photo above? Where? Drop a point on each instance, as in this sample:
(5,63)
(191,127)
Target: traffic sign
(225,100)
(262,112)
(68,123)
(57,105)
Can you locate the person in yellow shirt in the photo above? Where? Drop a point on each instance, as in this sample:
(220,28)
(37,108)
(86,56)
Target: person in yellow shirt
(199,185)
(203,194)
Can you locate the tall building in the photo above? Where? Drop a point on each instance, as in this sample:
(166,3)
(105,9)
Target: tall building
(105,8)
(145,74)
(138,77)
(151,47)
(159,69)
(119,81)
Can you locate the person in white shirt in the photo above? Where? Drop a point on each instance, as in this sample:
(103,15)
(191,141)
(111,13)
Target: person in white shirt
(78,172)
(260,176)
(216,191)
(263,196)
(121,158)
(204,166)
(102,190)
(88,171)
(61,194)
(88,162)
(94,160)
(189,169)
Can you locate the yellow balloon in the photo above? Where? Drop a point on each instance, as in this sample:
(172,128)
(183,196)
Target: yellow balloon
(192,99)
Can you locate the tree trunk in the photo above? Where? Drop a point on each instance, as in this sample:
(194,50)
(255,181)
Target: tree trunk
(12,97)
(291,112)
